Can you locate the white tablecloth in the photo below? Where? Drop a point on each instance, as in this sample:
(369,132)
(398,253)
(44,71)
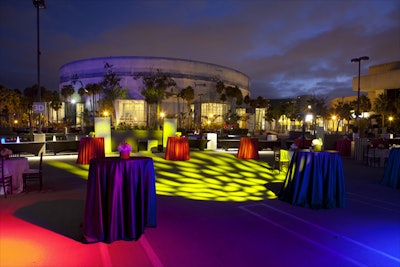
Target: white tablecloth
(15,167)
(360,147)
(382,154)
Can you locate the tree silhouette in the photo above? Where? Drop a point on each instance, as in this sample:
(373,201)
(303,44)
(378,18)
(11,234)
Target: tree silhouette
(155,84)
(187,94)
(55,103)
(112,90)
(383,106)
(9,103)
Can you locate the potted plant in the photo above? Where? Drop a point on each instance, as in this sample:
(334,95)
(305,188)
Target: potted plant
(124,150)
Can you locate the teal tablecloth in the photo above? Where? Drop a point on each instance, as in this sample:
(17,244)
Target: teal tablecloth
(391,177)
(315,180)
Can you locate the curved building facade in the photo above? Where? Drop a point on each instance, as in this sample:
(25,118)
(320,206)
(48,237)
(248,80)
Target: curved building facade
(382,78)
(199,75)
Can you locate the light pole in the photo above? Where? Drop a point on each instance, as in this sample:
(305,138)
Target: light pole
(333,121)
(38,4)
(162,115)
(359,59)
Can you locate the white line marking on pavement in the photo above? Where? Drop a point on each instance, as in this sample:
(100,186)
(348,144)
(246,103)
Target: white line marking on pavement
(105,255)
(155,261)
(305,238)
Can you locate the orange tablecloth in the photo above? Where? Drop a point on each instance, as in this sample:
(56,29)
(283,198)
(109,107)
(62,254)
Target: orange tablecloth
(344,147)
(177,148)
(15,167)
(248,148)
(89,148)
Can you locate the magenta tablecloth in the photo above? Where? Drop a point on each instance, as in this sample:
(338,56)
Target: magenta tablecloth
(120,199)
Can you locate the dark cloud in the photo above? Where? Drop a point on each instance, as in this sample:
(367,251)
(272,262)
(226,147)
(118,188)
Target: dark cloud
(287,48)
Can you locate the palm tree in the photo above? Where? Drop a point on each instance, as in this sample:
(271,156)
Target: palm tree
(29,94)
(383,106)
(66,92)
(91,90)
(9,103)
(232,94)
(365,103)
(259,102)
(187,94)
(112,90)
(55,103)
(273,115)
(155,85)
(82,92)
(343,111)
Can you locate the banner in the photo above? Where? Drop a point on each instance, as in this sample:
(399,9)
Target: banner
(39,107)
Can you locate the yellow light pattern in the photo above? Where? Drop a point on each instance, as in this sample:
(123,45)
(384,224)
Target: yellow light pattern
(207,176)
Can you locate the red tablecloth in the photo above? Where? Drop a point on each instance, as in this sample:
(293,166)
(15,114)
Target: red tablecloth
(344,147)
(177,148)
(248,148)
(299,143)
(89,148)
(380,143)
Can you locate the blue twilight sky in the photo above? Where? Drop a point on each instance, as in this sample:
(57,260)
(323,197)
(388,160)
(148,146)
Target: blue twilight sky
(286,47)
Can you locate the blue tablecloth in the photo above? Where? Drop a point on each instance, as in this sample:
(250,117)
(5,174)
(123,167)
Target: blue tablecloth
(391,177)
(120,199)
(315,180)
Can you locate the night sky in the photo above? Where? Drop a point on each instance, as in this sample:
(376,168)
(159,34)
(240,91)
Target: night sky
(287,48)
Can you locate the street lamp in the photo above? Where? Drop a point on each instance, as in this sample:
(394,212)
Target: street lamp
(359,59)
(38,4)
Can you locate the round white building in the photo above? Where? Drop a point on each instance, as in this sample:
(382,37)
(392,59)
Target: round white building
(201,76)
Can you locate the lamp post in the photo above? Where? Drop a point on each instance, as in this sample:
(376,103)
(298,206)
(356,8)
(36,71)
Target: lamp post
(359,59)
(333,121)
(162,115)
(38,4)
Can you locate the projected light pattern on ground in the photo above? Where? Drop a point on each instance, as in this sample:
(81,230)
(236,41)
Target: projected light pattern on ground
(208,175)
(215,176)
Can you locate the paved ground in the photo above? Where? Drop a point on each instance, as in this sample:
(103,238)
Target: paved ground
(245,231)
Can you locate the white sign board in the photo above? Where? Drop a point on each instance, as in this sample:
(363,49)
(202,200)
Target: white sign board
(39,107)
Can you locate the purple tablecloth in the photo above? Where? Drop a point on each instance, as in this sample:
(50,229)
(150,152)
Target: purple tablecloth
(315,180)
(120,199)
